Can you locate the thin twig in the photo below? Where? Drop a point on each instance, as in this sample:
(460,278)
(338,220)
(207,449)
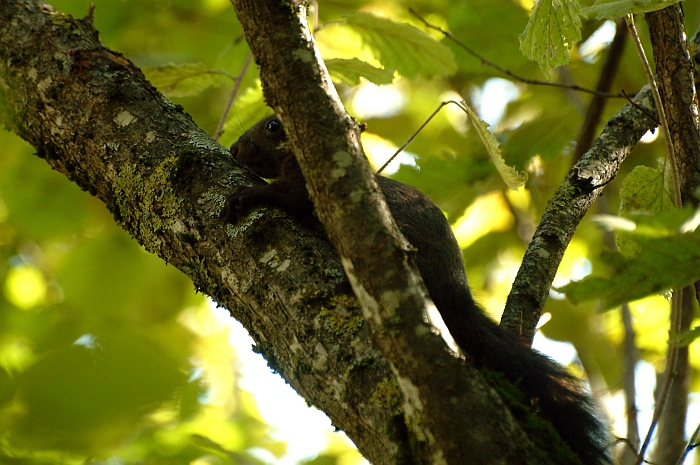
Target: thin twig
(642,109)
(232,96)
(670,151)
(508,73)
(692,444)
(676,303)
(413,136)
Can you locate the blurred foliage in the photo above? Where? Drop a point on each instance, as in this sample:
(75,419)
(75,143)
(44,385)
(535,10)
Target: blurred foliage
(107,355)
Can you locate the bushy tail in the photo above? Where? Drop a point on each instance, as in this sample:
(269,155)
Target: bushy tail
(561,397)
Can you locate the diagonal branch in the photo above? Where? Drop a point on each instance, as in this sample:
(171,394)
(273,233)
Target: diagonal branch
(374,254)
(92,116)
(566,209)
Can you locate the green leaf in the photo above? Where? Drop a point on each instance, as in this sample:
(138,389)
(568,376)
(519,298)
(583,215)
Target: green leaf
(247,110)
(647,189)
(667,259)
(350,71)
(643,190)
(402,47)
(184,80)
(510,175)
(618,8)
(553,29)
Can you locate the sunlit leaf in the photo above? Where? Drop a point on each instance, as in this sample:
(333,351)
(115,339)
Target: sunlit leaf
(350,71)
(183,80)
(667,259)
(643,190)
(553,29)
(646,189)
(618,8)
(510,175)
(402,47)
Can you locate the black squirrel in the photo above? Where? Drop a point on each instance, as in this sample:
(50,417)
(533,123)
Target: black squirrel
(559,396)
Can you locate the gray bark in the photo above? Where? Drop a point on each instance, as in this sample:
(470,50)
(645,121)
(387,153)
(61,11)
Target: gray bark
(92,116)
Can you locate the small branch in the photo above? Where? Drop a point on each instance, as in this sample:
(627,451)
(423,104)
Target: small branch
(413,136)
(671,431)
(692,444)
(508,73)
(659,108)
(232,96)
(566,209)
(631,357)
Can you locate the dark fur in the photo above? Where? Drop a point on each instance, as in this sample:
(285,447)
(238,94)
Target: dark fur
(560,396)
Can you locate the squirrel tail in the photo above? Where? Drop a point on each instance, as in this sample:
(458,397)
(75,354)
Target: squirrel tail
(559,396)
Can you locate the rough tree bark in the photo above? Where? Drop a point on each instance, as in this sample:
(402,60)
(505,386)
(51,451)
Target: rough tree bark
(91,115)
(674,70)
(567,207)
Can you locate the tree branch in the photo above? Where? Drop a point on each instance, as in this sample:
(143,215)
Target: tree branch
(566,209)
(92,116)
(674,70)
(374,254)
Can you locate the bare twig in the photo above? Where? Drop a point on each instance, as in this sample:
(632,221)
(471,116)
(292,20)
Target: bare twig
(642,109)
(232,96)
(676,305)
(508,73)
(692,444)
(631,357)
(413,136)
(659,108)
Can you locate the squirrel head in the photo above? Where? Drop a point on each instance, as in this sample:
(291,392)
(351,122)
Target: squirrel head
(262,148)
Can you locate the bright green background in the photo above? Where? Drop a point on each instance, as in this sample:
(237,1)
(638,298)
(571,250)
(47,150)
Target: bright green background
(107,352)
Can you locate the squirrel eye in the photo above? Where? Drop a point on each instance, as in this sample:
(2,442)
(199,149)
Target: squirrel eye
(273,126)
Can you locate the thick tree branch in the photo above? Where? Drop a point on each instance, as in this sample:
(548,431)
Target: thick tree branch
(674,70)
(441,393)
(566,209)
(92,116)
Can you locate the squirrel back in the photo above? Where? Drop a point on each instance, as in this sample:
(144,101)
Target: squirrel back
(560,397)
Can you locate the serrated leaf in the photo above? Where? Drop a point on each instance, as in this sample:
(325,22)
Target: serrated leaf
(184,80)
(553,29)
(402,47)
(667,259)
(350,71)
(645,189)
(619,8)
(512,177)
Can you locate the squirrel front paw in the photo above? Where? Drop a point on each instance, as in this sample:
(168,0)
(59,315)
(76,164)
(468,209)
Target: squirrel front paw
(234,206)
